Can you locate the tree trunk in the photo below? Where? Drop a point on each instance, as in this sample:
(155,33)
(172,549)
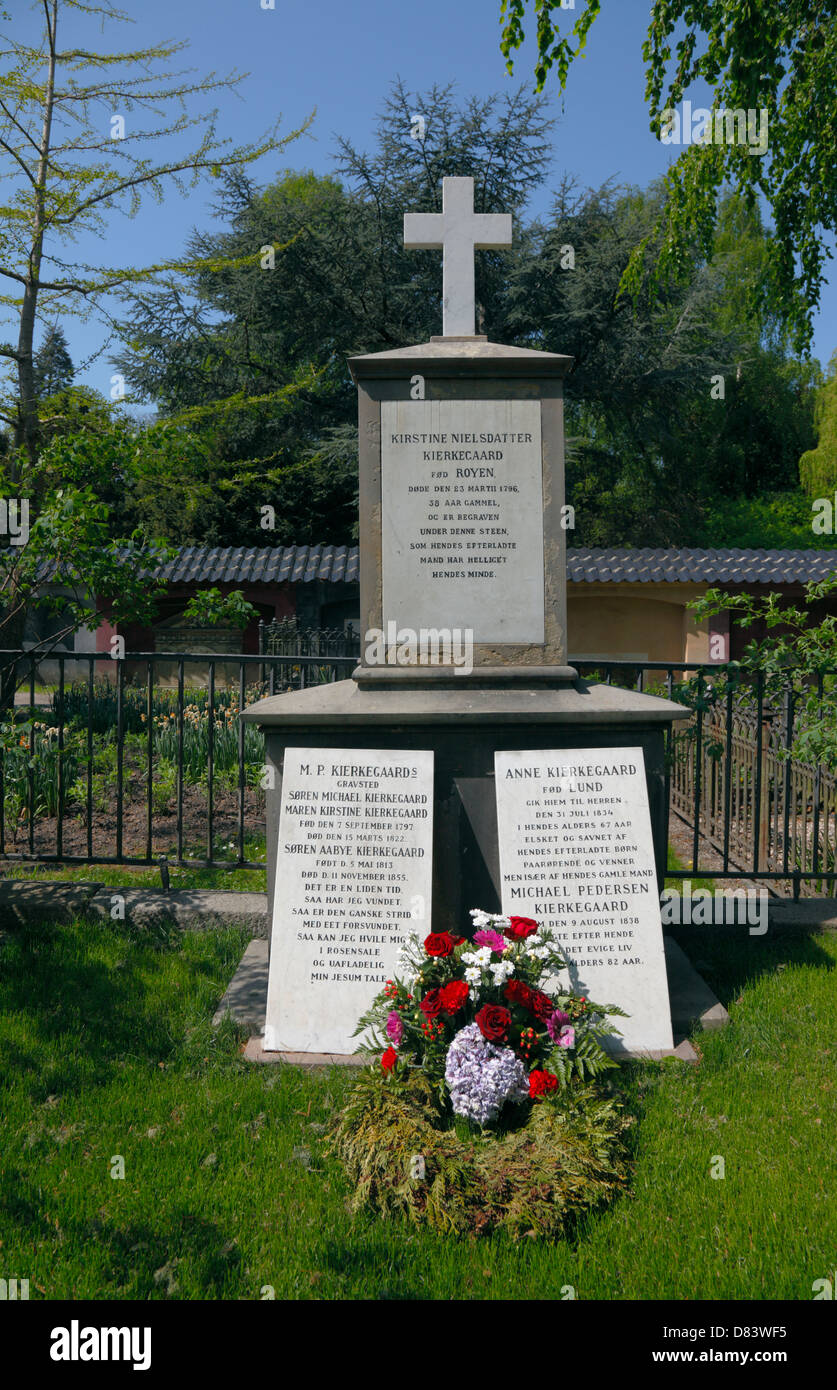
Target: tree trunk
(26,431)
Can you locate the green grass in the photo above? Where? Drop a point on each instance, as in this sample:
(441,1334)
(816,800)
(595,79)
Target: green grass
(133,876)
(106,1049)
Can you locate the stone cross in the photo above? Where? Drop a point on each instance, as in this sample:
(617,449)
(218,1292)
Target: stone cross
(458,231)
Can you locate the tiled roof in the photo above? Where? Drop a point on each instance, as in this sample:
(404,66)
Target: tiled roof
(681,566)
(201,564)
(340,564)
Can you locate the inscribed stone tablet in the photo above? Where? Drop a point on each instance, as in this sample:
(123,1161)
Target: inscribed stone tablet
(576,854)
(462,504)
(353,880)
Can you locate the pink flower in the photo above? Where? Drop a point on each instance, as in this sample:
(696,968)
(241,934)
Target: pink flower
(555,1024)
(394,1028)
(490,938)
(566,1037)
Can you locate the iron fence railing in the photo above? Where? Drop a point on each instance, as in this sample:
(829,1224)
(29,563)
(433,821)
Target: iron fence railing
(732,776)
(146,758)
(285,637)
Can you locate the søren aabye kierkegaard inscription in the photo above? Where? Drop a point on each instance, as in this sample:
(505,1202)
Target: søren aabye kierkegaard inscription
(353,880)
(576,852)
(462,517)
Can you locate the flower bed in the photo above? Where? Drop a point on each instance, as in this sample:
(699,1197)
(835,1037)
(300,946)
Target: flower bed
(481,1109)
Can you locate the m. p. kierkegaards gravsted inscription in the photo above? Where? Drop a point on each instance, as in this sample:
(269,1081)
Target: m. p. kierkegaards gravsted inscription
(353,880)
(462,517)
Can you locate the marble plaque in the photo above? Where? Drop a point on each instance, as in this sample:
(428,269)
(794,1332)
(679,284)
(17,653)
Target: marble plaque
(462,518)
(576,853)
(353,881)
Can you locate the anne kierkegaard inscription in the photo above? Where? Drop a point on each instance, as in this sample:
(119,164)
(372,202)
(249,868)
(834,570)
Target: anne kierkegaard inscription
(462,517)
(353,881)
(576,852)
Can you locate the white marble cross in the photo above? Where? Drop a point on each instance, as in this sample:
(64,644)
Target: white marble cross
(459,231)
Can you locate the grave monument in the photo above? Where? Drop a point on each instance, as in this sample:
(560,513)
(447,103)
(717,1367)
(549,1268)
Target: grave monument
(427,785)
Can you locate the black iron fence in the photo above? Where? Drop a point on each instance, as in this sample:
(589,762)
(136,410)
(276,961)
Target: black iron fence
(286,637)
(755,808)
(145,757)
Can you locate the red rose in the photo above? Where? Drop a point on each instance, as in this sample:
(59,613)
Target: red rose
(493,1022)
(542,1006)
(454,996)
(520,927)
(439,944)
(389,1059)
(516,992)
(431,1004)
(541,1083)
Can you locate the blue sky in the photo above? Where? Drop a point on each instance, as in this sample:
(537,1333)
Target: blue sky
(339,59)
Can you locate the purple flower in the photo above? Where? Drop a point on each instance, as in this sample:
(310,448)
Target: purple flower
(481,1076)
(555,1024)
(492,939)
(394,1028)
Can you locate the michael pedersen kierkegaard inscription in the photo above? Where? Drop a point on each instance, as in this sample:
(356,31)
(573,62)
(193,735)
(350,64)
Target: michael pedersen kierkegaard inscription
(353,882)
(462,517)
(576,853)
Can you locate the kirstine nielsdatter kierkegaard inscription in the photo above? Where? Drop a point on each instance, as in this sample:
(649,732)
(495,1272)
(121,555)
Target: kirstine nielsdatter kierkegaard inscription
(353,881)
(576,852)
(462,505)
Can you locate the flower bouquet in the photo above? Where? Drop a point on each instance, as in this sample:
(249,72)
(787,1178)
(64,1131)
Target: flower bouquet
(483,1020)
(478,1110)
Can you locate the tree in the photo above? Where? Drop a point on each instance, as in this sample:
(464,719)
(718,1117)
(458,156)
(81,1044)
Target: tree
(675,397)
(72,132)
(772,63)
(795,649)
(76,124)
(211,608)
(53,369)
(818,466)
(52,567)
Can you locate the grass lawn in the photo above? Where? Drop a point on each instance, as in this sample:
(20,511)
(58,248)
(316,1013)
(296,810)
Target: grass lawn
(106,1049)
(140,876)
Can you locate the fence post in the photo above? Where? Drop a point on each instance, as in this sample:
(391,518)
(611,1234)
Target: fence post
(763,843)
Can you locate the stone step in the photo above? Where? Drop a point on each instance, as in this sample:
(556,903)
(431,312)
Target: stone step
(195,909)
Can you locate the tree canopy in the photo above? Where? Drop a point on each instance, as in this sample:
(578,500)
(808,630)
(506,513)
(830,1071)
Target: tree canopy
(53,369)
(818,466)
(79,131)
(78,128)
(757,57)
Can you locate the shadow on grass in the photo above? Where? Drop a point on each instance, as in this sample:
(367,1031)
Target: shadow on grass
(729,958)
(182,1255)
(58,977)
(360,1261)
